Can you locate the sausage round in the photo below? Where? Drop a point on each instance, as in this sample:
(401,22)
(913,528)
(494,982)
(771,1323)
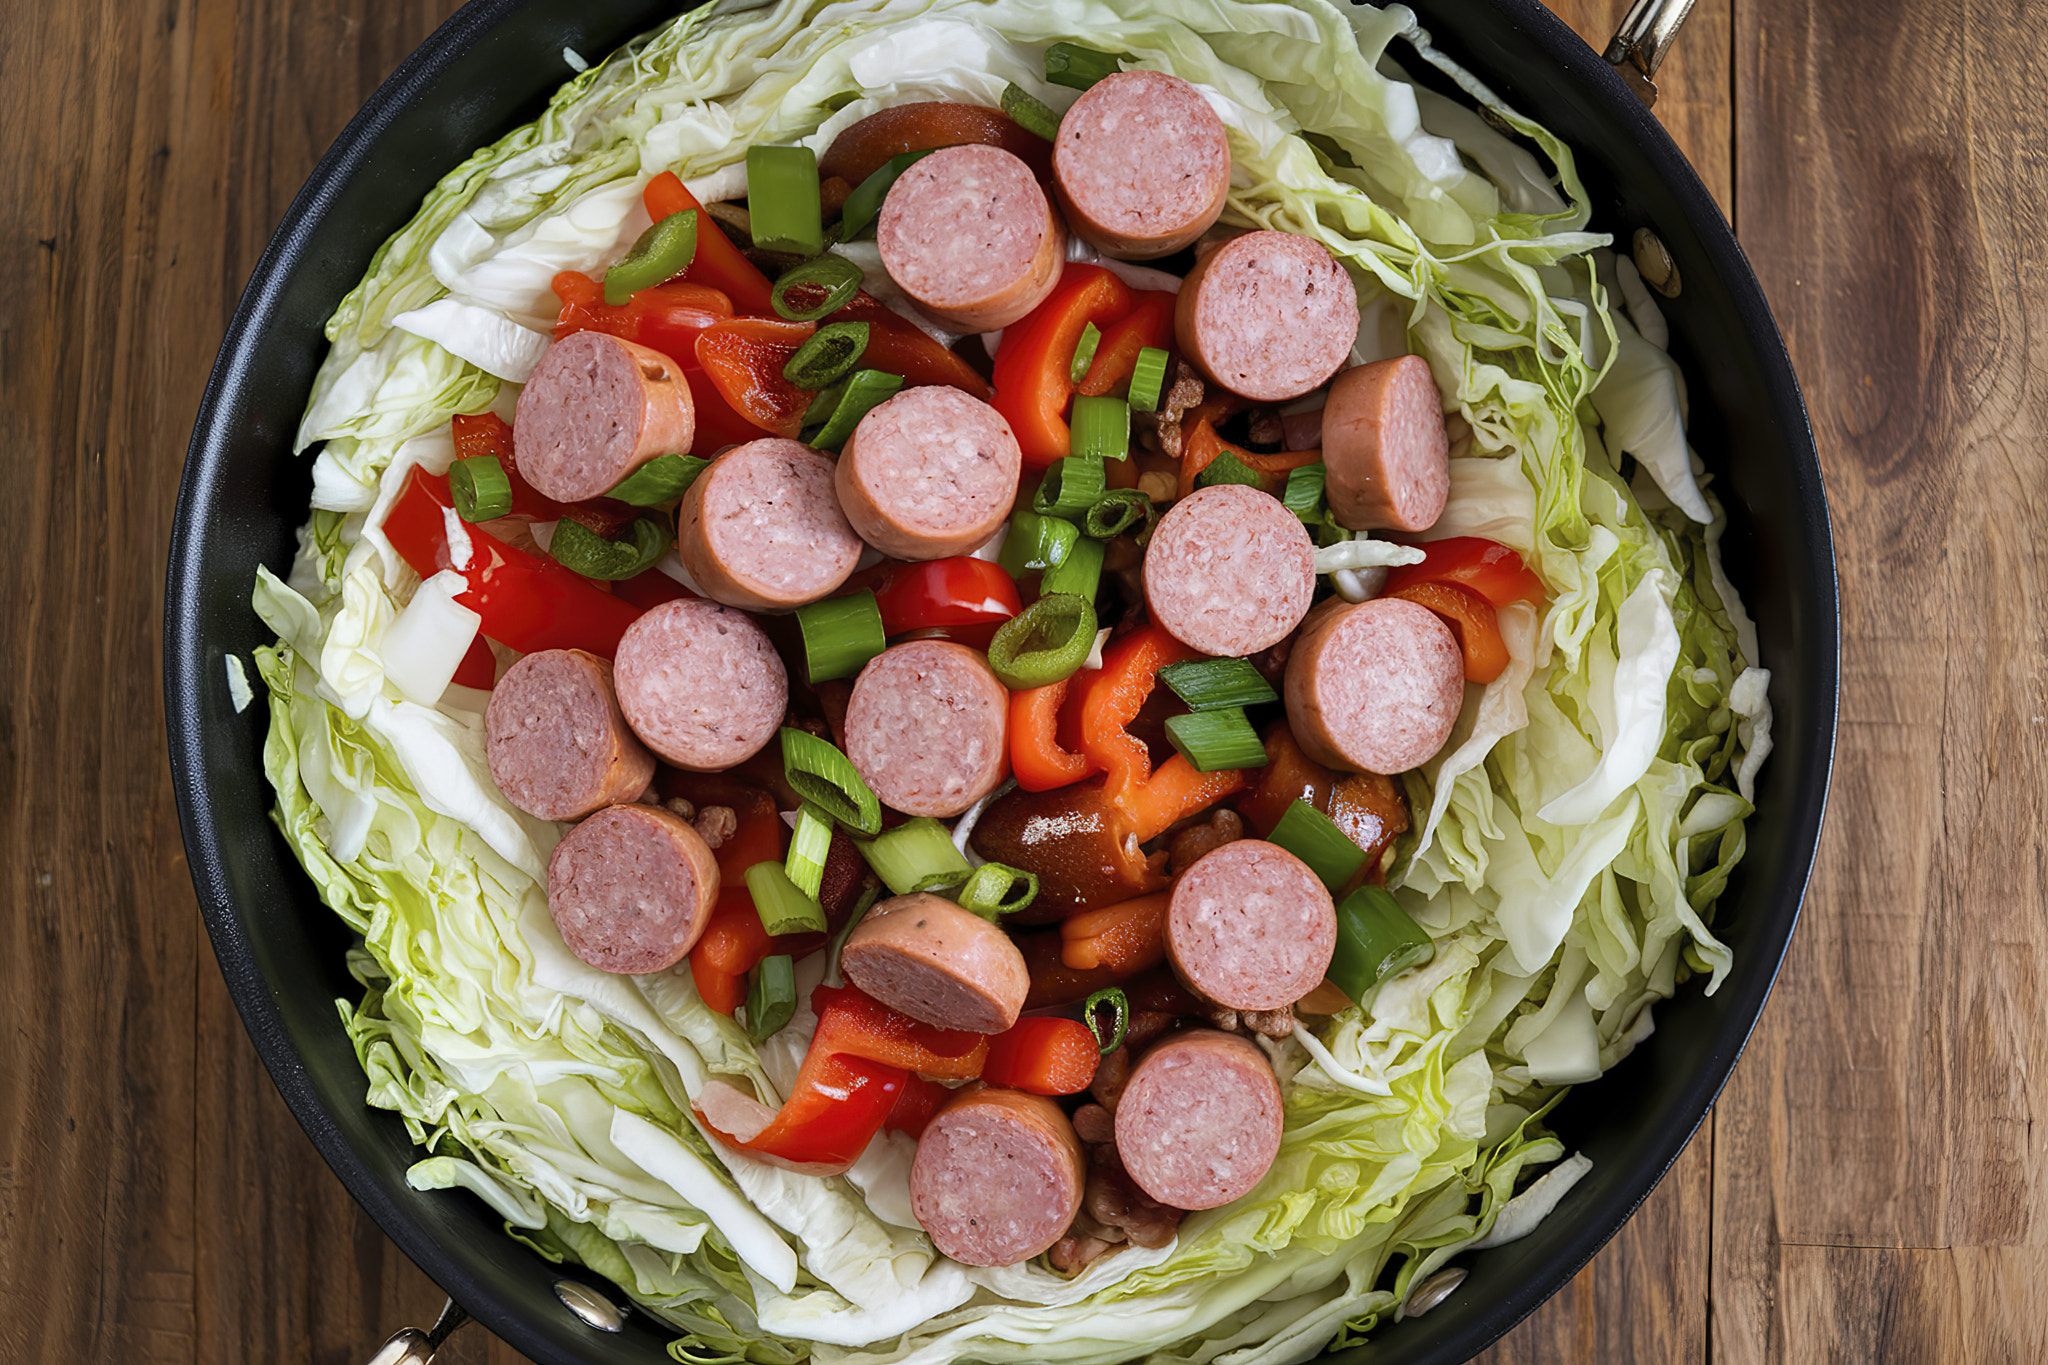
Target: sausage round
(700,684)
(927,726)
(968,233)
(1198,1124)
(761,528)
(929,473)
(1230,571)
(998,1177)
(1385,451)
(1374,686)
(1249,926)
(595,409)
(1141,164)
(556,740)
(1269,315)
(924,956)
(632,889)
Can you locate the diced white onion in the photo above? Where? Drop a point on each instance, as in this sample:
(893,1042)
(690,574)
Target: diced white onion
(424,646)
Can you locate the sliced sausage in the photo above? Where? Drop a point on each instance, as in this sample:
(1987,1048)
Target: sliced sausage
(926,957)
(1250,926)
(998,1177)
(761,528)
(968,233)
(1269,315)
(927,726)
(558,745)
(1230,570)
(1374,686)
(1386,454)
(595,409)
(932,472)
(631,889)
(1141,164)
(700,684)
(1198,1125)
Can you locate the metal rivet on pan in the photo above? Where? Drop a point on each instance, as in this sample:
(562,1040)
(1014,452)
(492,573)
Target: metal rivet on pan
(1433,1291)
(1654,263)
(594,1308)
(410,1346)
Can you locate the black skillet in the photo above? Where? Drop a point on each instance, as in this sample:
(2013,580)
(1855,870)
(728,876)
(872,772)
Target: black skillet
(492,67)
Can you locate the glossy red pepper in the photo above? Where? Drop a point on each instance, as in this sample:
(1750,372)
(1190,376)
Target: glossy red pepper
(957,591)
(1034,363)
(744,358)
(734,943)
(834,1110)
(1483,566)
(1150,323)
(1111,697)
(916,1106)
(1038,760)
(527,602)
(479,667)
(1043,1056)
(718,262)
(650,589)
(854,1022)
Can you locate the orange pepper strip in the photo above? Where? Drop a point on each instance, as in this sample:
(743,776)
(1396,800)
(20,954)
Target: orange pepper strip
(855,1023)
(1152,800)
(1472,619)
(1037,759)
(1034,363)
(1204,446)
(1043,1056)
(1116,356)
(718,262)
(1127,937)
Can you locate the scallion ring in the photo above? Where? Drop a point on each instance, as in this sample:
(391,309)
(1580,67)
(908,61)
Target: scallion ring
(481,488)
(997,889)
(830,354)
(1304,493)
(1116,512)
(1078,67)
(1080,573)
(1213,741)
(781,903)
(917,855)
(1215,684)
(808,845)
(1147,379)
(1036,544)
(1070,487)
(662,479)
(581,550)
(820,773)
(1084,353)
(1029,112)
(837,276)
(1047,641)
(1120,1017)
(1320,842)
(771,997)
(841,407)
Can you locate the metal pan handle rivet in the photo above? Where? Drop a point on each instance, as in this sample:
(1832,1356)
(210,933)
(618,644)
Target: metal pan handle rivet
(411,1346)
(1654,263)
(1640,44)
(593,1308)
(1433,1291)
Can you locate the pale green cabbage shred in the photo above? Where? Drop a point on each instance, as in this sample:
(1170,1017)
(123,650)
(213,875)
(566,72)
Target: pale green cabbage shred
(1576,832)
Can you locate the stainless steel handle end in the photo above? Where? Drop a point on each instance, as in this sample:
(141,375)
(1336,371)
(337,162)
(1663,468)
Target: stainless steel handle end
(1639,46)
(411,1346)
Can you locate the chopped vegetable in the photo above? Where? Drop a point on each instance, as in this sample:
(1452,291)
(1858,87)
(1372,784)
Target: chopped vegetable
(1314,838)
(1043,1056)
(810,290)
(997,889)
(840,635)
(718,263)
(1149,801)
(1113,999)
(1029,112)
(480,487)
(660,254)
(841,406)
(822,774)
(1211,684)
(1032,365)
(1144,331)
(944,593)
(1304,492)
(1126,937)
(1471,618)
(834,1110)
(1084,353)
(771,997)
(1047,643)
(1216,740)
(1079,573)
(1037,759)
(1037,543)
(864,205)
(782,199)
(1485,567)
(855,1024)
(1070,64)
(809,843)
(745,359)
(1116,512)
(1101,428)
(577,548)
(664,478)
(1376,939)
(1148,376)
(1069,488)
(784,907)
(917,855)
(827,356)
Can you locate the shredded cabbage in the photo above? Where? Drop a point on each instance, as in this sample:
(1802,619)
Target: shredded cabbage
(1574,834)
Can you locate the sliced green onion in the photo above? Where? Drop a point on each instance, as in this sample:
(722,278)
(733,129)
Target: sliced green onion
(1036,543)
(771,997)
(1047,641)
(783,906)
(835,102)
(1212,684)
(838,277)
(1069,488)
(997,889)
(829,355)
(579,549)
(1227,468)
(1215,740)
(1078,67)
(1148,379)
(481,488)
(783,207)
(1304,492)
(864,205)
(808,845)
(842,406)
(1116,512)
(1120,1017)
(840,635)
(820,773)
(1029,112)
(662,479)
(1080,573)
(660,254)
(1084,353)
(1101,429)
(917,855)
(1328,533)
(1314,838)
(1376,939)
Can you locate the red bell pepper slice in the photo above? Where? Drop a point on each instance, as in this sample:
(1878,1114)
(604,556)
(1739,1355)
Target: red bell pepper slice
(916,1106)
(1034,363)
(718,263)
(482,433)
(957,591)
(479,667)
(1111,697)
(1472,618)
(855,1023)
(1479,565)
(650,589)
(834,1110)
(734,943)
(744,358)
(897,346)
(1038,760)
(1116,355)
(526,601)
(1043,1056)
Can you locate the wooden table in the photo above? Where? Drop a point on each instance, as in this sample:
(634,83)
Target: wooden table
(1867,1189)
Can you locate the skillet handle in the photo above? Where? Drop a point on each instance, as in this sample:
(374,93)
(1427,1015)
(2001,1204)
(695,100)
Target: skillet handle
(411,1346)
(1638,46)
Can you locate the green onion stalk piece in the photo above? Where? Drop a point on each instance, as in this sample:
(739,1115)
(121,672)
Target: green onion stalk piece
(771,997)
(1314,838)
(1070,487)
(660,254)
(917,855)
(1215,740)
(1036,543)
(864,204)
(838,277)
(1376,940)
(1148,379)
(1030,113)
(481,488)
(840,635)
(829,355)
(1227,468)
(1303,495)
(808,845)
(1078,67)
(662,479)
(1120,1017)
(783,906)
(783,205)
(1101,428)
(841,406)
(581,550)
(1213,684)
(997,889)
(1116,512)
(1080,573)
(821,774)
(1084,353)
(1047,641)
